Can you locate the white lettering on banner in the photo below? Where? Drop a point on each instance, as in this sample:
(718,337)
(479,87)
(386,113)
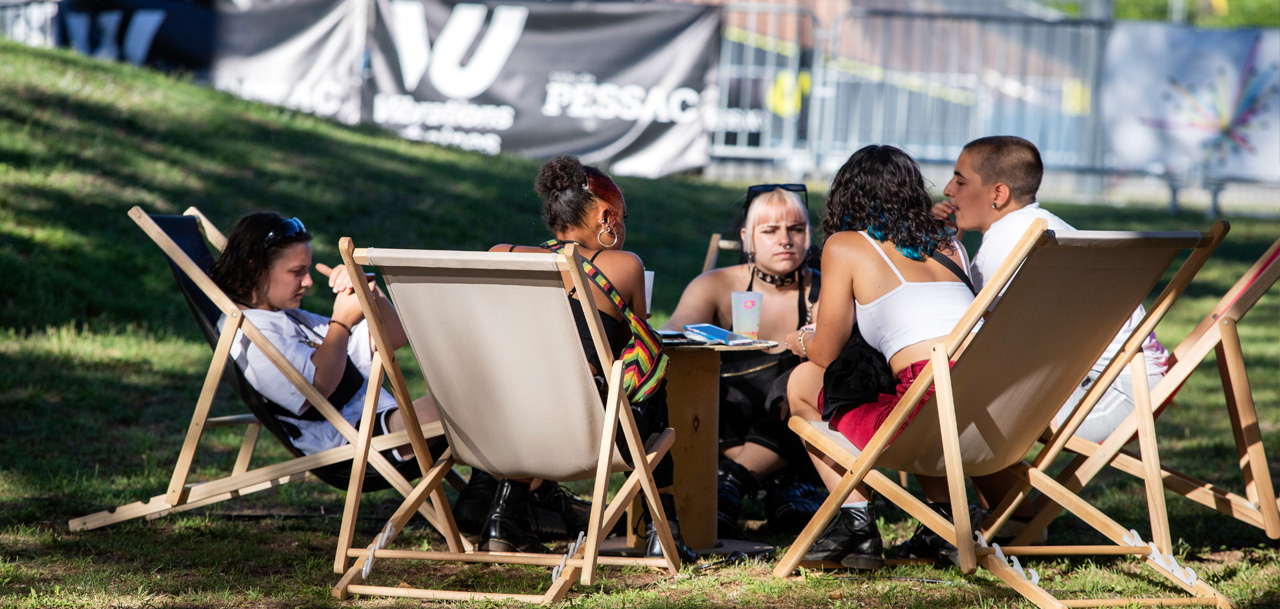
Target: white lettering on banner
(487,143)
(444,65)
(580,96)
(405,110)
(325,97)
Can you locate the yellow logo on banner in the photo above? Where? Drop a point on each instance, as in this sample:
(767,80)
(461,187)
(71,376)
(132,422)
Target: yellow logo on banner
(787,92)
(1075,97)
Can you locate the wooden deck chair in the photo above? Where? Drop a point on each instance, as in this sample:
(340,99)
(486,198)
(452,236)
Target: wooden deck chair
(714,248)
(1260,506)
(496,340)
(182,239)
(1071,294)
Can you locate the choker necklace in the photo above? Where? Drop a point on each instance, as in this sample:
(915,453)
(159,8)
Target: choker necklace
(777,280)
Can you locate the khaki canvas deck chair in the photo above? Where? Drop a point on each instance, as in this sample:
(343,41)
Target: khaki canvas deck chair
(183,241)
(1071,294)
(1259,507)
(496,340)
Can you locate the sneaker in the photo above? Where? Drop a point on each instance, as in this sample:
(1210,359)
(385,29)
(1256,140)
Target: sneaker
(733,483)
(852,539)
(790,501)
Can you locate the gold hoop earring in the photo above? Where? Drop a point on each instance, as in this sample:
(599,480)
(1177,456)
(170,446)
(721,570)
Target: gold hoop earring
(600,237)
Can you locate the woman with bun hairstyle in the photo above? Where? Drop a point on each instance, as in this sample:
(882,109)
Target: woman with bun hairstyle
(582,205)
(894,269)
(266,269)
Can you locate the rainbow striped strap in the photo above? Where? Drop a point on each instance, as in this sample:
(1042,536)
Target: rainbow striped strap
(643,362)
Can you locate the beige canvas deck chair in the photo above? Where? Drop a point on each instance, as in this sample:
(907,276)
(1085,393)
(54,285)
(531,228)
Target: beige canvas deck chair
(496,340)
(1072,294)
(1259,507)
(183,241)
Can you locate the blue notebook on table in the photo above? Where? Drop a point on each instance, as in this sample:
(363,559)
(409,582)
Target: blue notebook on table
(715,335)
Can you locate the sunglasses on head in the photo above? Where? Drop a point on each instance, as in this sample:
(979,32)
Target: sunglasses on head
(759,189)
(284,230)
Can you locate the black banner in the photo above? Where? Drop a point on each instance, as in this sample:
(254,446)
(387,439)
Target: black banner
(630,84)
(302,54)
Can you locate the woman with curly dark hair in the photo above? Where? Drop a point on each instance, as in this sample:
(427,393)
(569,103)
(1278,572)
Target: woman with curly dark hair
(892,267)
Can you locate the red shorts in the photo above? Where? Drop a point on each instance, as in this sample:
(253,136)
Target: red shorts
(861,422)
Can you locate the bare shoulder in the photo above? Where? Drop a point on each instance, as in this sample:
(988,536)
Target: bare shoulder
(846,242)
(620,263)
(719,280)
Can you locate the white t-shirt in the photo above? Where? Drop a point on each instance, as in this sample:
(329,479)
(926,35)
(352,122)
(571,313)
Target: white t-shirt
(998,242)
(296,334)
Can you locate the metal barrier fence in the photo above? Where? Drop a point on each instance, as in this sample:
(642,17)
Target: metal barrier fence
(929,83)
(31,23)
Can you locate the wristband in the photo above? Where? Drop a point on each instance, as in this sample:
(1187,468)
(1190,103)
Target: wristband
(344,326)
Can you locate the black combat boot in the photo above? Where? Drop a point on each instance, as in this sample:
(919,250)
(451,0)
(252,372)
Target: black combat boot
(926,544)
(557,514)
(733,483)
(471,509)
(852,539)
(653,546)
(509,528)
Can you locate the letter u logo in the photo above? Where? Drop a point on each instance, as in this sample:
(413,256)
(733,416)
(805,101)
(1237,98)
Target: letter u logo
(447,74)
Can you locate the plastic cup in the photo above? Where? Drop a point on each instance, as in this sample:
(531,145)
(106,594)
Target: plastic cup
(648,292)
(746,313)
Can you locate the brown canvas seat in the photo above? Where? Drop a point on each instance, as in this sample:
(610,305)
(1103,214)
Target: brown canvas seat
(1071,294)
(496,340)
(183,241)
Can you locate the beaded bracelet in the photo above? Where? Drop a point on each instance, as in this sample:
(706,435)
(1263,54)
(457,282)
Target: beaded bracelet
(344,326)
(804,351)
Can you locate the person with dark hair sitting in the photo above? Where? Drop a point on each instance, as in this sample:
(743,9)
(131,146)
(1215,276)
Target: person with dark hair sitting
(266,270)
(756,447)
(582,205)
(894,270)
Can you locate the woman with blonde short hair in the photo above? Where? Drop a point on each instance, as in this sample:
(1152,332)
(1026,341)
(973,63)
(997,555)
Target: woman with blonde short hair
(756,446)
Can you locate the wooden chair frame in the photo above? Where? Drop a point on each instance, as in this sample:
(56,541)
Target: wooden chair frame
(184,495)
(582,558)
(1216,332)
(714,248)
(973,550)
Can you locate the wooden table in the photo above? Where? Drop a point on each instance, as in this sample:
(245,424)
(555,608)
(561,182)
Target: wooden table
(693,405)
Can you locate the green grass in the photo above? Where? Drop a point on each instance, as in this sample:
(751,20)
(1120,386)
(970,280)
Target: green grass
(100,364)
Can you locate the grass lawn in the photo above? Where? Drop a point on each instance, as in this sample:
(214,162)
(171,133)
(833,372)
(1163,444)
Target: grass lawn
(100,363)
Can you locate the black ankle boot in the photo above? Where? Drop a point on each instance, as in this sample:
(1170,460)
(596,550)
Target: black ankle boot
(653,546)
(926,544)
(471,509)
(733,483)
(509,525)
(557,514)
(852,539)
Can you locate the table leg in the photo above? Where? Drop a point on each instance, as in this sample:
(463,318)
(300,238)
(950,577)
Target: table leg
(693,402)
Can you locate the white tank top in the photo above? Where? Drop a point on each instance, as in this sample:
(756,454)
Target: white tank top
(914,311)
